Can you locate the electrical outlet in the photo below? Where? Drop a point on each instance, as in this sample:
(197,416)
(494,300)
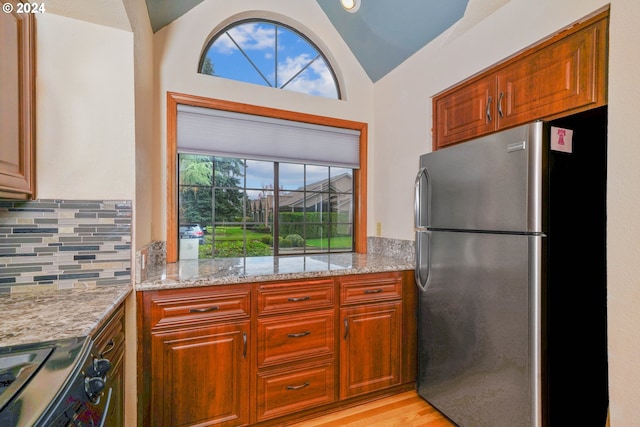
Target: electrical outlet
(378,229)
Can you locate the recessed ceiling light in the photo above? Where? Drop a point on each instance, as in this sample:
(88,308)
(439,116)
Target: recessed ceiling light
(351,5)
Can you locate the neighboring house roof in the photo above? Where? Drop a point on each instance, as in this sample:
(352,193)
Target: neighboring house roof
(307,196)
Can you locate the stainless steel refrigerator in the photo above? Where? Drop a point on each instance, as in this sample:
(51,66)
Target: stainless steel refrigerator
(510,264)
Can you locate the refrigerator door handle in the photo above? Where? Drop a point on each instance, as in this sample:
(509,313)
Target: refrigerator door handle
(418,202)
(423,265)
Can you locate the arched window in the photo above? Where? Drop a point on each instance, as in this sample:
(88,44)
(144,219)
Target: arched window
(269,53)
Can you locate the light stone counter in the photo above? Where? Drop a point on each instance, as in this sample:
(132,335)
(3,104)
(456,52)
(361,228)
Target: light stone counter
(225,271)
(38,316)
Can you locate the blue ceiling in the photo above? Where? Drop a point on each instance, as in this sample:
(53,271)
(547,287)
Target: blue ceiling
(384,33)
(381,34)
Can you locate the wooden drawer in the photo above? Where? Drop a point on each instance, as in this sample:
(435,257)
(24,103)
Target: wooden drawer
(291,338)
(285,297)
(197,305)
(110,339)
(370,288)
(295,388)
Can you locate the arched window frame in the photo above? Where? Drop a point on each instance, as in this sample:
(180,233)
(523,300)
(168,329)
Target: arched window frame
(304,35)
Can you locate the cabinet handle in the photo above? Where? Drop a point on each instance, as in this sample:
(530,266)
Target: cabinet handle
(489,108)
(301,334)
(500,104)
(204,310)
(372,291)
(299,299)
(244,345)
(110,346)
(346,328)
(298,387)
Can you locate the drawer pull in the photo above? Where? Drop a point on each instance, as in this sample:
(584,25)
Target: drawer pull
(110,346)
(298,299)
(372,291)
(301,334)
(298,387)
(204,310)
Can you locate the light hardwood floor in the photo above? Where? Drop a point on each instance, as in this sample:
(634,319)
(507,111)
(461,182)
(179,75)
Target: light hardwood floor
(403,410)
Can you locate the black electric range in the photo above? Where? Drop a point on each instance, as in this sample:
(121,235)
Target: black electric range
(55,383)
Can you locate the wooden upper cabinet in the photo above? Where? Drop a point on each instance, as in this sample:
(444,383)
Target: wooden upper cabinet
(563,75)
(465,113)
(17,123)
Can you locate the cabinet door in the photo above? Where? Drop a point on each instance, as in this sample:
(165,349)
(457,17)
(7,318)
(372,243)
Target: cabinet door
(370,350)
(201,376)
(561,78)
(16,104)
(465,113)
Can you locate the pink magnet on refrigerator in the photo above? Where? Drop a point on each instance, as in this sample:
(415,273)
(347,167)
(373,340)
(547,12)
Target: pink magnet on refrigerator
(561,139)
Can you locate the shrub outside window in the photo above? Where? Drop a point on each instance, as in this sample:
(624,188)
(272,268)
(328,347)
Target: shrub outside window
(235,201)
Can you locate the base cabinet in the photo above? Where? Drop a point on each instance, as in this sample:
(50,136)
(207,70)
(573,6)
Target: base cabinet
(370,348)
(267,354)
(203,376)
(371,333)
(110,344)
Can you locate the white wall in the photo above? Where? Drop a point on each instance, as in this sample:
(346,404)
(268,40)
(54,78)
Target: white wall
(86,128)
(178,48)
(84,110)
(623,229)
(402,123)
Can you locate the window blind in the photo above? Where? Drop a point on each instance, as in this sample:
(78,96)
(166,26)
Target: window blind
(224,133)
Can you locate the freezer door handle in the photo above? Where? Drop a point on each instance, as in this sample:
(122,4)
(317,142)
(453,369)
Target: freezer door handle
(420,220)
(423,263)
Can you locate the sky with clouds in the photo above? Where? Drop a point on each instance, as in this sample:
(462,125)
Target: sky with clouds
(247,52)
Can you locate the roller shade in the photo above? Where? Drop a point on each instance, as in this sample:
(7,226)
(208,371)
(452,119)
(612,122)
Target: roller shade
(230,134)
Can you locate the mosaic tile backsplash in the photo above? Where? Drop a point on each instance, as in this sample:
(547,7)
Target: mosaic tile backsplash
(64,243)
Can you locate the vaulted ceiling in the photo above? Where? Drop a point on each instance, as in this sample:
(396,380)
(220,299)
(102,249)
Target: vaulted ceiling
(381,34)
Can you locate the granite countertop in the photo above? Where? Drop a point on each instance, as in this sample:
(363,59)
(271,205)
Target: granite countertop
(225,271)
(45,315)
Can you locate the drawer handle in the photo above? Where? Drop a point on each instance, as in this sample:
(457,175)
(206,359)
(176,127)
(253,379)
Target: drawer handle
(299,299)
(204,310)
(110,346)
(372,291)
(298,387)
(301,334)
